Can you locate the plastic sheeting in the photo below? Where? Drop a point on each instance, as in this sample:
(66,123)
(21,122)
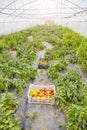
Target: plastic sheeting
(16,15)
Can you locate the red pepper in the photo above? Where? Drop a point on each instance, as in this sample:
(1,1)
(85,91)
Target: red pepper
(45,89)
(52,92)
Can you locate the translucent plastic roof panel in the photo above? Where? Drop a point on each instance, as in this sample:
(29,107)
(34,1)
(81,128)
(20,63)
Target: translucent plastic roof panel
(19,10)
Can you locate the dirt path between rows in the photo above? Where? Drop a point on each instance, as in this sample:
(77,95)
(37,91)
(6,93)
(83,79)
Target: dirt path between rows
(39,116)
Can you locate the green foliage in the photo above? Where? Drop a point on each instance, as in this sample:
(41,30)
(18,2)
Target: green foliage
(74,38)
(8,105)
(26,55)
(38,45)
(70,89)
(16,72)
(71,94)
(82,55)
(53,39)
(61,49)
(2,47)
(55,68)
(73,59)
(8,83)
(5,57)
(14,40)
(76,117)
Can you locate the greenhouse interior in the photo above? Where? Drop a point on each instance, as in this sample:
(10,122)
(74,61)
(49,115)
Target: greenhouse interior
(43,64)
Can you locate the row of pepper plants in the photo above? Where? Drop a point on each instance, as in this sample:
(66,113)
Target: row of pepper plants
(71,93)
(17,55)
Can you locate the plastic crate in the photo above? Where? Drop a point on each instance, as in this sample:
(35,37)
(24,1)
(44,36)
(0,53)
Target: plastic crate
(41,100)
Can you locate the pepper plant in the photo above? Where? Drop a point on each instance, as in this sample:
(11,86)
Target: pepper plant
(8,105)
(56,67)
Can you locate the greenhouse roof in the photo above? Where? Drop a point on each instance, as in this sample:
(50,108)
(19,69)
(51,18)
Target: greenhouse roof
(25,10)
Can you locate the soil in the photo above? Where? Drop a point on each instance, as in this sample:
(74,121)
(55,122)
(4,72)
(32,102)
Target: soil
(47,117)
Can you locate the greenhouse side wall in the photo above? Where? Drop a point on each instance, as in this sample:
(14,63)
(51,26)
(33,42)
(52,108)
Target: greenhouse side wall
(78,26)
(11,27)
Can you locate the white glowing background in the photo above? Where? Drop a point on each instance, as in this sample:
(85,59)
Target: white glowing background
(20,14)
